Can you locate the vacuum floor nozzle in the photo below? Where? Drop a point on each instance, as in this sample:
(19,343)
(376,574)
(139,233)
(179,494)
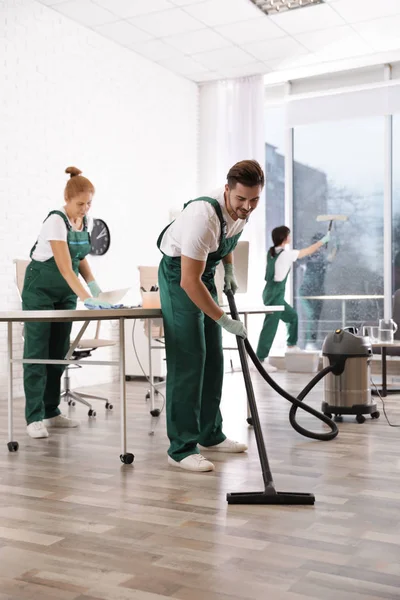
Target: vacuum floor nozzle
(267,498)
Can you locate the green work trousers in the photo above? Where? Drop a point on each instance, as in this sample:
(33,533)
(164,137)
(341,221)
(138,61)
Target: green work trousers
(270,326)
(45,289)
(195,367)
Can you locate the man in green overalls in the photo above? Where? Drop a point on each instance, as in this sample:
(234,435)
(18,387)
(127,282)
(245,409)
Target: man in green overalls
(52,283)
(204,233)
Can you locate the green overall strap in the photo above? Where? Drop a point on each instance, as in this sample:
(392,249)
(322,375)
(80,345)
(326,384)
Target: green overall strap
(66,221)
(211,201)
(67,224)
(218,210)
(53,212)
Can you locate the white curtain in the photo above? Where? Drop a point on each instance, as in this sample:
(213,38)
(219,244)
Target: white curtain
(231,129)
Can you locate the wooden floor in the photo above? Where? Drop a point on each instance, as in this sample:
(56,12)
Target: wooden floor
(76,524)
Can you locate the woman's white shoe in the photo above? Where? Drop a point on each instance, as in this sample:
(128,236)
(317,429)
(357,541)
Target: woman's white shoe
(193,462)
(61,421)
(293,349)
(37,430)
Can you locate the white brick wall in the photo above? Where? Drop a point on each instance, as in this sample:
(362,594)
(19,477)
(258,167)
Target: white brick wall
(69,96)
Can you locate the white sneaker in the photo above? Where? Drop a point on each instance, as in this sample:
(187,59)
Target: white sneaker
(227,446)
(311,348)
(268,367)
(193,462)
(37,430)
(61,421)
(290,349)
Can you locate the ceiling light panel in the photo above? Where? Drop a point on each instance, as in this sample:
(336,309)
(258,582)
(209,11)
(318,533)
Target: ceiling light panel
(275,7)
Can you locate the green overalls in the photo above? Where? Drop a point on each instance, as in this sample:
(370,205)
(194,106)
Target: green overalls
(274,294)
(195,362)
(46,289)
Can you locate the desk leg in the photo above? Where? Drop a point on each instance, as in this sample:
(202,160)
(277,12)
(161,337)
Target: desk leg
(151,391)
(126,457)
(12,446)
(384,372)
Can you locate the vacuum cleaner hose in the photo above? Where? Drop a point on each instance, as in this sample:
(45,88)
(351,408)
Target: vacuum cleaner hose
(296,402)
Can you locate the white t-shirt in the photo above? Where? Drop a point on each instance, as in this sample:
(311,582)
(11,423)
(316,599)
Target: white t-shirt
(284,262)
(196,231)
(54,229)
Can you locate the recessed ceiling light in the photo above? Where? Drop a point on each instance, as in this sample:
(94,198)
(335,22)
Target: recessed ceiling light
(275,7)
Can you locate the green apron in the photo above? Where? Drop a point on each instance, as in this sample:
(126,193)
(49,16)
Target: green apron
(195,362)
(274,294)
(46,289)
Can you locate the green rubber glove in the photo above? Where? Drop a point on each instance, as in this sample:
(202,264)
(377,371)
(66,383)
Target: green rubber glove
(326,238)
(233,326)
(94,288)
(230,282)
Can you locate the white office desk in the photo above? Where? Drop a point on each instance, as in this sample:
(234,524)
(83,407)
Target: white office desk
(86,316)
(24,316)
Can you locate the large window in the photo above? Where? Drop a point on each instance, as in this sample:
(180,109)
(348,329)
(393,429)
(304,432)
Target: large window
(396,203)
(339,169)
(274,170)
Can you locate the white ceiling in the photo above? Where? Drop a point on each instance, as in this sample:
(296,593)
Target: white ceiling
(205,40)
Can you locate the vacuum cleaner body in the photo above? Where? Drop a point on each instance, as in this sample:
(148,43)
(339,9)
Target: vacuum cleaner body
(347,388)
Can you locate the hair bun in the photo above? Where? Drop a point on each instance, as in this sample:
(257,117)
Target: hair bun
(73,171)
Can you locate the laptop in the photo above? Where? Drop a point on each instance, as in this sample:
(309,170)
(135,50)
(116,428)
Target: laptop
(113,296)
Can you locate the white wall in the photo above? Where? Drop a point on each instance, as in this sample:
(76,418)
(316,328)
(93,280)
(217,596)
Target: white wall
(70,97)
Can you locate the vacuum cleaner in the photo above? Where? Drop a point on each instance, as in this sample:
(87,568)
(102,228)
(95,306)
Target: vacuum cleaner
(347,388)
(346,364)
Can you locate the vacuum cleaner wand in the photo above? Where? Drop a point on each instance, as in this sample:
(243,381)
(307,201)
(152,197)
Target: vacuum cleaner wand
(269,495)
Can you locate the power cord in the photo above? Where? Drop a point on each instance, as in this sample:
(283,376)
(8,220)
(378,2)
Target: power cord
(383,405)
(143,371)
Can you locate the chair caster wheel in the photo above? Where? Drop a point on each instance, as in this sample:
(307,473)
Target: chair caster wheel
(360,418)
(12,446)
(109,406)
(155,413)
(249,421)
(91,413)
(127,459)
(375,415)
(71,403)
(338,418)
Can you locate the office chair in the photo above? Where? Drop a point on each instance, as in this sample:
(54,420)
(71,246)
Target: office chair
(84,349)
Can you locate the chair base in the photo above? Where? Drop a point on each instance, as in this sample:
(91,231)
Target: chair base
(73,397)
